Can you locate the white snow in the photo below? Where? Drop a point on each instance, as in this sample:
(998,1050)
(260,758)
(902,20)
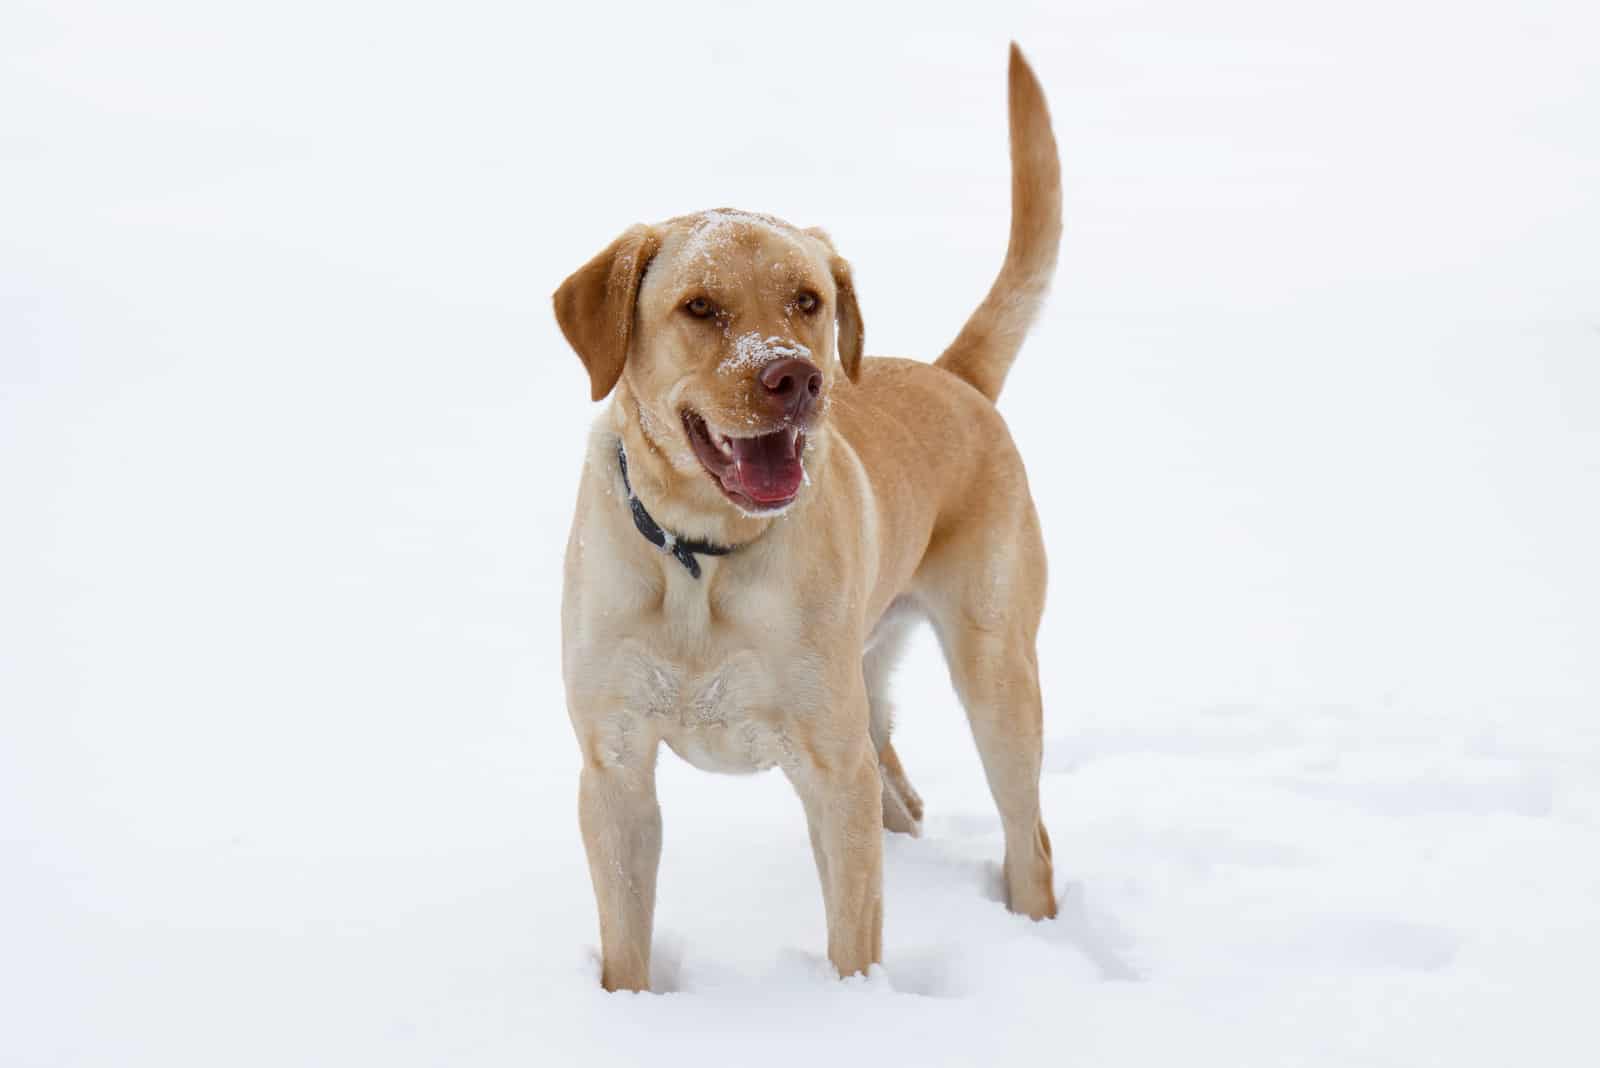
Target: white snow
(713,231)
(289,445)
(751,350)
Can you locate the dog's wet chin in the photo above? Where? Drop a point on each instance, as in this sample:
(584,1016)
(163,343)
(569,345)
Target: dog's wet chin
(759,473)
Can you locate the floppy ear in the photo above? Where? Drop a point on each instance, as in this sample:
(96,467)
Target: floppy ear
(595,306)
(851,332)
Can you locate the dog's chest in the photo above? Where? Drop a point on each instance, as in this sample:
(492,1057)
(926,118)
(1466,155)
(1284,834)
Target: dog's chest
(722,713)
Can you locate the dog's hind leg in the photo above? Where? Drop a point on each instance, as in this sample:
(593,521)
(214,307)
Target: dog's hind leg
(902,808)
(985,597)
(997,676)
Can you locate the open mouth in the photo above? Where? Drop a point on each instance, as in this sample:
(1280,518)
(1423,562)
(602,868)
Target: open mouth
(760,473)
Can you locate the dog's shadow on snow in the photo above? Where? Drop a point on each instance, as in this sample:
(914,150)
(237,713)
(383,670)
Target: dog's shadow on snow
(1080,925)
(1094,935)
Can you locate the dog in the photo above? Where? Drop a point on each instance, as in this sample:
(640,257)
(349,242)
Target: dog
(763,516)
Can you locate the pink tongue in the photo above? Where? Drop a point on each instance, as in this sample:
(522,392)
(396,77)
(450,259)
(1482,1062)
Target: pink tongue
(766,469)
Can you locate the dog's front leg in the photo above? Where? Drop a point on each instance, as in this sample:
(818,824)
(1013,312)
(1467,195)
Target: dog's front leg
(843,799)
(621,824)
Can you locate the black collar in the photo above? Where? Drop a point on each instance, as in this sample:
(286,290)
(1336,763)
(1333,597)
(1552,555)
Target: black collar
(684,549)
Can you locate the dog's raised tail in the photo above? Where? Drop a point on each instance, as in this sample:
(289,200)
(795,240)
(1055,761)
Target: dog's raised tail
(987,345)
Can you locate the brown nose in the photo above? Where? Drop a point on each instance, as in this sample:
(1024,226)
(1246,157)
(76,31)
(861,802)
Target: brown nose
(792,385)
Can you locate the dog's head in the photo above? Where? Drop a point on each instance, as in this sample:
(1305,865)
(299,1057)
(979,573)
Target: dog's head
(728,331)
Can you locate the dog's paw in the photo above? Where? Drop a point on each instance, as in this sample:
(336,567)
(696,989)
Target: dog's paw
(897,818)
(902,808)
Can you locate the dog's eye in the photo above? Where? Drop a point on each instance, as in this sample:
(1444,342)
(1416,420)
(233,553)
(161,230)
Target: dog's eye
(807,302)
(700,308)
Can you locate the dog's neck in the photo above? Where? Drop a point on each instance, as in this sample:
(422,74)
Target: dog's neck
(681,498)
(687,551)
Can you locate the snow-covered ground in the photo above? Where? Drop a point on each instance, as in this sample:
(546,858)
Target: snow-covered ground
(289,443)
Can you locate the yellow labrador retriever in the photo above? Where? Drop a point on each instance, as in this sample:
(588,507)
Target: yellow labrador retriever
(764,513)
